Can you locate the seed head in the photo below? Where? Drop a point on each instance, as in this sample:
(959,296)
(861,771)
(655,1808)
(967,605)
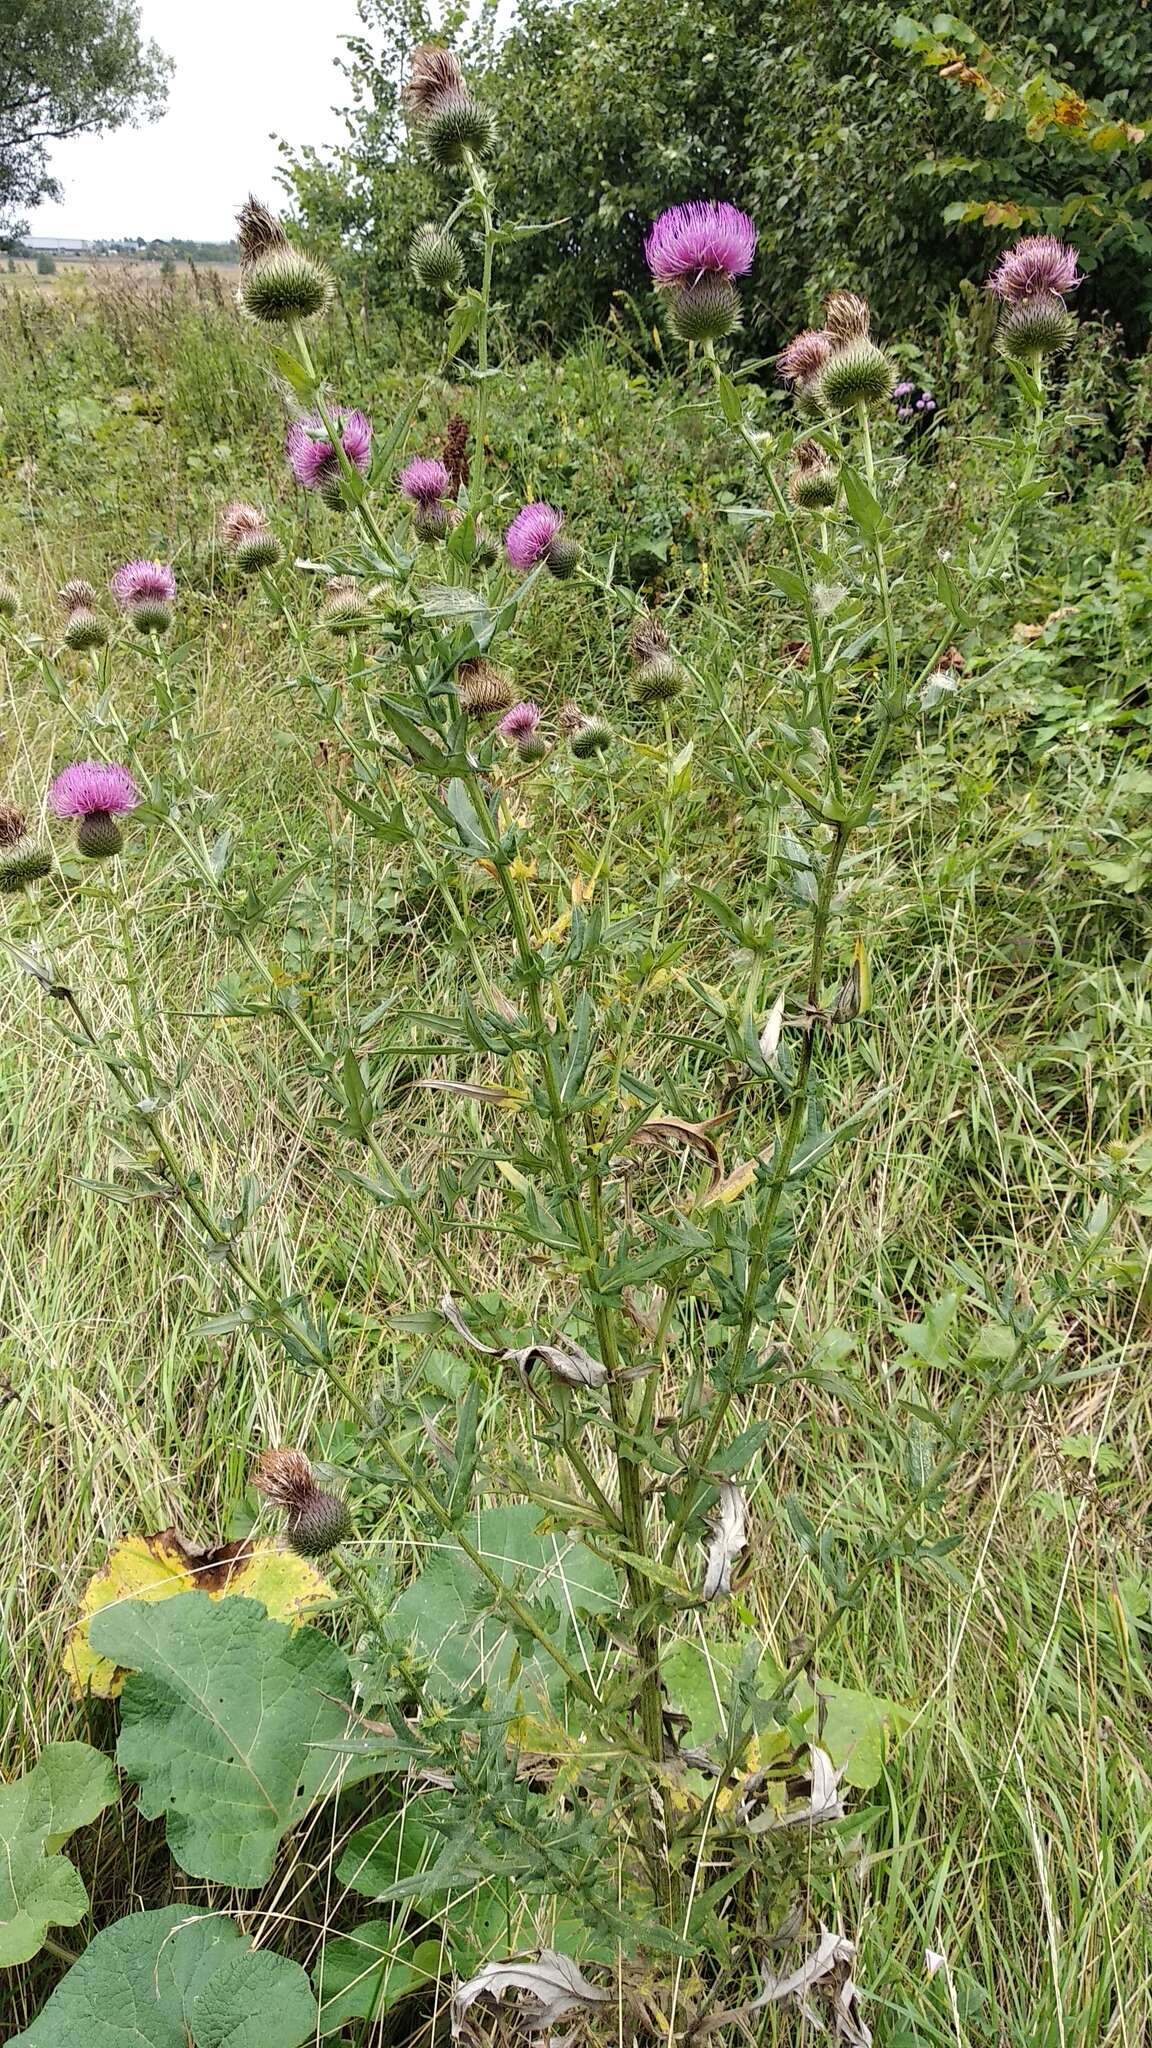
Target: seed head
(258,231)
(801,362)
(437,259)
(317,1520)
(482,686)
(847,317)
(77,593)
(647,638)
(569,718)
(238,520)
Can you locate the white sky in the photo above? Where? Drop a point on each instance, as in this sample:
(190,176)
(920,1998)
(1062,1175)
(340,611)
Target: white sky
(245,70)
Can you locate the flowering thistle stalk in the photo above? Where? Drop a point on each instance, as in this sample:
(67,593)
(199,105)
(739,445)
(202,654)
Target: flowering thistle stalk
(520,726)
(1032,281)
(317,1520)
(248,538)
(313,459)
(97,794)
(535,536)
(452,123)
(279,284)
(83,626)
(146,592)
(695,253)
(425,483)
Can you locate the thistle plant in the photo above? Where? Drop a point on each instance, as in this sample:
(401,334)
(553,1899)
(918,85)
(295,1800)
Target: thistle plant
(573,1685)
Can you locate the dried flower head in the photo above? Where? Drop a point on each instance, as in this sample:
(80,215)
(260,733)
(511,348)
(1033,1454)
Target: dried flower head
(647,638)
(569,718)
(424,480)
(249,539)
(1035,264)
(13,825)
(847,317)
(434,75)
(703,238)
(238,520)
(317,1520)
(801,362)
(314,461)
(258,231)
(76,593)
(342,609)
(813,482)
(456,458)
(482,686)
(83,626)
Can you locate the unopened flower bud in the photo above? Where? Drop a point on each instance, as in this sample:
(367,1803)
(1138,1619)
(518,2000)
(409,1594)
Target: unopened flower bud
(257,551)
(592,737)
(342,610)
(317,1521)
(85,629)
(658,679)
(285,285)
(437,259)
(706,309)
(858,373)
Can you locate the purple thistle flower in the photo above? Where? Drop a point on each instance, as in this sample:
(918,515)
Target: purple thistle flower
(804,357)
(520,722)
(315,463)
(702,238)
(425,480)
(1037,263)
(143,583)
(531,534)
(90,786)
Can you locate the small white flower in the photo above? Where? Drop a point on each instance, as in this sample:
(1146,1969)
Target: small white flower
(939,684)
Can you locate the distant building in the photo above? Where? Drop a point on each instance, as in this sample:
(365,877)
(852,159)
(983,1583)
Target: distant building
(55,245)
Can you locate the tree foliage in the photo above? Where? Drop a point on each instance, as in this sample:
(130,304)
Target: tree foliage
(69,67)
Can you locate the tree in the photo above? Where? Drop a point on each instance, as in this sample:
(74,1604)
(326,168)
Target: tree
(67,67)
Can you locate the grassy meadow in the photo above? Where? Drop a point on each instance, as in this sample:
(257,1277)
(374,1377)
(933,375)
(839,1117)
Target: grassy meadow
(1003,889)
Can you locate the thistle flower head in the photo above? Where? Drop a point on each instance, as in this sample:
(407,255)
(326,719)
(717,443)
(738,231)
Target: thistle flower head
(520,722)
(314,461)
(647,638)
(258,231)
(1035,264)
(21,864)
(239,520)
(801,362)
(425,480)
(532,535)
(143,583)
(703,238)
(90,786)
(83,628)
(847,317)
(285,285)
(77,593)
(436,258)
(1038,326)
(317,1520)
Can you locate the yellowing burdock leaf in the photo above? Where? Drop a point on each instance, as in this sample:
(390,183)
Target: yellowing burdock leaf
(155,1567)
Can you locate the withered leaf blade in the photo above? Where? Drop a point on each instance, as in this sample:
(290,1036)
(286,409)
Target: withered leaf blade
(831,1959)
(729,1527)
(816,1799)
(567,1362)
(673,1133)
(452,1315)
(770,1036)
(553,1985)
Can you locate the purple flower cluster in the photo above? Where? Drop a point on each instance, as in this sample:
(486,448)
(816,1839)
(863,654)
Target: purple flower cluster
(314,461)
(703,238)
(518,723)
(425,480)
(912,403)
(88,787)
(531,534)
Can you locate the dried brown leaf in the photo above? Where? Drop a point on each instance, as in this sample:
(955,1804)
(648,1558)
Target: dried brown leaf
(729,1526)
(553,1985)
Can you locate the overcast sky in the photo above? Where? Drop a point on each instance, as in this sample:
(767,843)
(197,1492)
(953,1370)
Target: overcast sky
(245,70)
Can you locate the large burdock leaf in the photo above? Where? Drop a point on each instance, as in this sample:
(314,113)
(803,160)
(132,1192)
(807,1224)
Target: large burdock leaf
(229,1725)
(155,1567)
(39,1889)
(176,1979)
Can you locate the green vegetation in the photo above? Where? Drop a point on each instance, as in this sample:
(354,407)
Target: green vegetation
(685,1190)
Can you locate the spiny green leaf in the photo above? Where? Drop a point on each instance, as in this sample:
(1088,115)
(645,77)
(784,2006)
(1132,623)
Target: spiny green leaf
(176,1979)
(39,1889)
(230,1722)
